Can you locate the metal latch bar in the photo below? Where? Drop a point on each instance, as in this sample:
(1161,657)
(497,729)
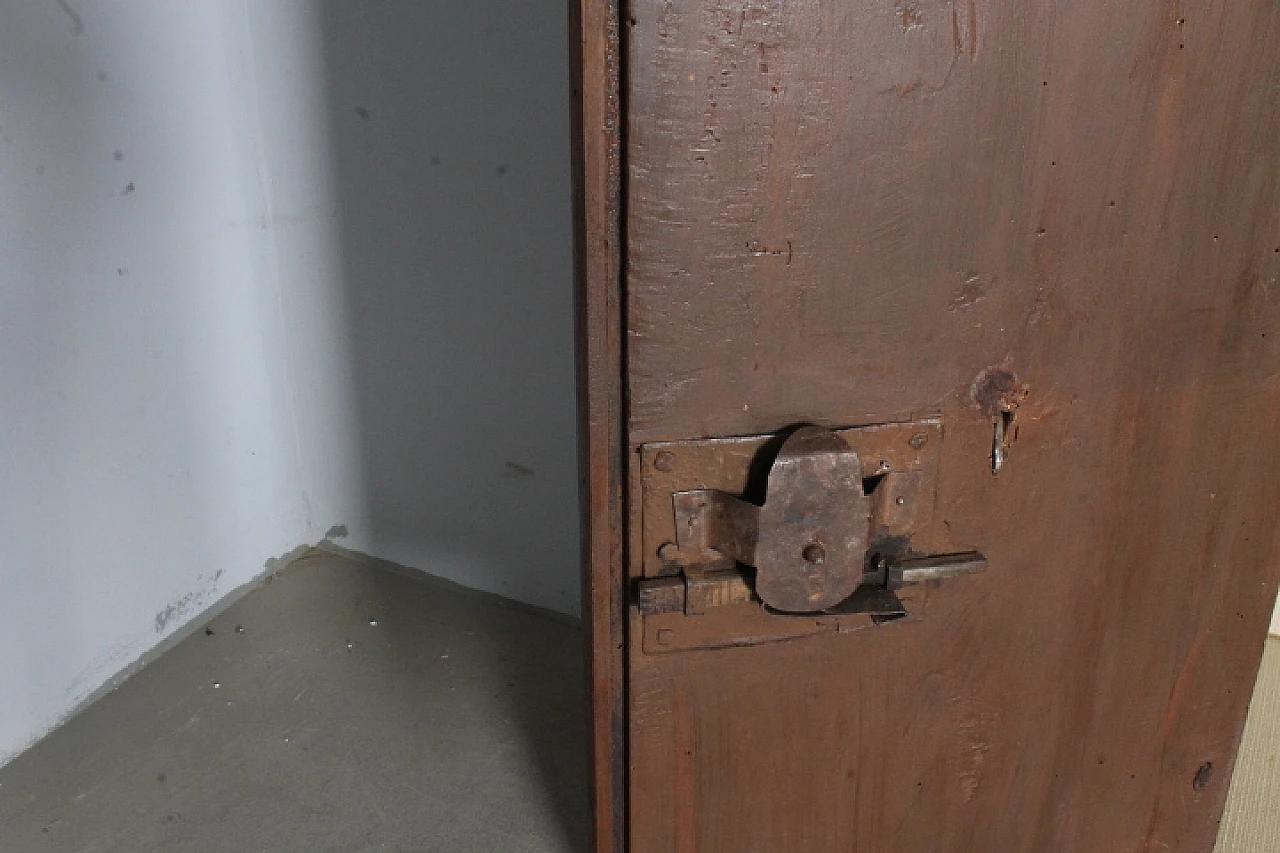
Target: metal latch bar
(694,594)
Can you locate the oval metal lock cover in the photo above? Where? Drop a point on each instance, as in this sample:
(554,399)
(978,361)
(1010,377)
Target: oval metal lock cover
(814,524)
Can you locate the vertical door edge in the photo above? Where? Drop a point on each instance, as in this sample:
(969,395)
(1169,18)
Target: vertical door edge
(597,153)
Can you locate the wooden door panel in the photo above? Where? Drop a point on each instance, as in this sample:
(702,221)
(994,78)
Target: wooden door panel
(822,215)
(849,213)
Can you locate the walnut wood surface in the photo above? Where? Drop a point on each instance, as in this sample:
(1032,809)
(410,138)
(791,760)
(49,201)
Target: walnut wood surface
(852,212)
(593,40)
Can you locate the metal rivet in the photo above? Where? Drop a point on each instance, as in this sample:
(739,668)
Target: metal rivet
(918,440)
(814,553)
(900,501)
(664,461)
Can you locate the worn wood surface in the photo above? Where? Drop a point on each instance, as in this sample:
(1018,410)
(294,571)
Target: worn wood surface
(593,40)
(856,212)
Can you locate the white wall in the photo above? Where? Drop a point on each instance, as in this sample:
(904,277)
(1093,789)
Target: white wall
(166,272)
(272,268)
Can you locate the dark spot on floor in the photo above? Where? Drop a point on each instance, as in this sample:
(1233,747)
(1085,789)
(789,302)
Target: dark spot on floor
(362,113)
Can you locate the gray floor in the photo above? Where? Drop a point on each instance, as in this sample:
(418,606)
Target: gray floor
(339,707)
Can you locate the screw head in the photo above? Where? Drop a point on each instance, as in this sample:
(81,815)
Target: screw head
(665,461)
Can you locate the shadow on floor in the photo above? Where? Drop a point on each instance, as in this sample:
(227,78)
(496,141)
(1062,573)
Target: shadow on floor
(341,706)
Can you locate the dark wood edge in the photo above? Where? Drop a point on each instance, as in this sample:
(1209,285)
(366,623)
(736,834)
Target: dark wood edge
(597,219)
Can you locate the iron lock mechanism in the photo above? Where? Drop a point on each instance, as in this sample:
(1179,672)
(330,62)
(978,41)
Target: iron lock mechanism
(807,550)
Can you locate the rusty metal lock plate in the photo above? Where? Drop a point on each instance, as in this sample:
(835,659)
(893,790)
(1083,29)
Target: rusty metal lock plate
(899,467)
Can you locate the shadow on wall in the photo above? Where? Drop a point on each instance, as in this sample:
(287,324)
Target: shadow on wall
(451,132)
(451,145)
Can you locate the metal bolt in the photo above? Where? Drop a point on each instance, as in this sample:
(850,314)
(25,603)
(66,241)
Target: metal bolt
(664,461)
(918,440)
(814,553)
(900,501)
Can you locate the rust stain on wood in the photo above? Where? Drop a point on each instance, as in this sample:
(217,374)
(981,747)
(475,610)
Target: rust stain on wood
(997,390)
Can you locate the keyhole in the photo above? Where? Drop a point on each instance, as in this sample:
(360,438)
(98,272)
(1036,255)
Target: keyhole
(814,553)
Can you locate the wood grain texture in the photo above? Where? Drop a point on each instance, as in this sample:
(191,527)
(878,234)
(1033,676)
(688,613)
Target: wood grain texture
(1251,823)
(597,121)
(843,213)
